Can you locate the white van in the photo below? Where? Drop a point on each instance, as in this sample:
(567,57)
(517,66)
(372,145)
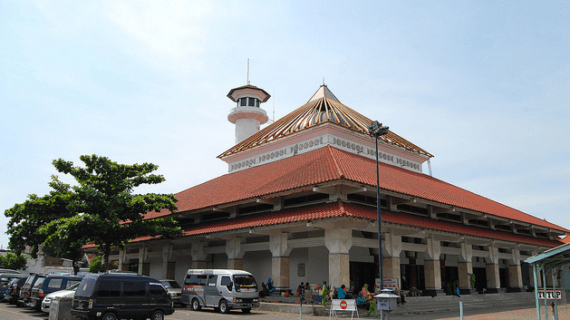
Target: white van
(220,288)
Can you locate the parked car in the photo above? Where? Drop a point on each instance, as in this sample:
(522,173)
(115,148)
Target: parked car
(13,290)
(112,296)
(25,292)
(220,288)
(52,283)
(46,302)
(5,279)
(174,290)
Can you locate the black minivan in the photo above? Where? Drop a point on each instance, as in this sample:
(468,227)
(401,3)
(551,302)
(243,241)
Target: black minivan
(111,296)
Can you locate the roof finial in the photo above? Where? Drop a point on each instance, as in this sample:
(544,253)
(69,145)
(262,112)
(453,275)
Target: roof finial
(247,70)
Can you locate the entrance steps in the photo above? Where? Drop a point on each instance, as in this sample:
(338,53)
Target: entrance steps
(418,305)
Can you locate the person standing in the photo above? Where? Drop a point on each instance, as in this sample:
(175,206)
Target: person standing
(324,294)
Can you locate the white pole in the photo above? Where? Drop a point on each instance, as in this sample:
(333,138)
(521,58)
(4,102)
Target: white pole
(461,310)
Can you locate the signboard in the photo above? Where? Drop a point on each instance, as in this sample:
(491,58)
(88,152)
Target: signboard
(343,305)
(389,283)
(550,294)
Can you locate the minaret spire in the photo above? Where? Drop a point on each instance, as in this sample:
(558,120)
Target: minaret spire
(247,115)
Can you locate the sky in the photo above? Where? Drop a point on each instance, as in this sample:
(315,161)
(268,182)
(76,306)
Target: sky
(484,86)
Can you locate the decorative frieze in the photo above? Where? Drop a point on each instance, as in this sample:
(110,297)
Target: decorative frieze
(319,142)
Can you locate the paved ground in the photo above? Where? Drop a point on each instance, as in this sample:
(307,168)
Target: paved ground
(11,312)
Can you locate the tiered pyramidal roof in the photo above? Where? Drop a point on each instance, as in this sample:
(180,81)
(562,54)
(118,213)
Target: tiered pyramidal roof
(323,108)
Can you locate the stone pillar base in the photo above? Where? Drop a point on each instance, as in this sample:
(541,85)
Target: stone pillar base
(491,290)
(514,289)
(464,291)
(433,292)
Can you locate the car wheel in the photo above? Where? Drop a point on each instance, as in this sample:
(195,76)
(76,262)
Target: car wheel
(157,315)
(224,306)
(246,310)
(196,305)
(109,316)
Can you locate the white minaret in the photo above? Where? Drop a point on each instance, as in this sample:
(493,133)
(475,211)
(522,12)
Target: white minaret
(247,115)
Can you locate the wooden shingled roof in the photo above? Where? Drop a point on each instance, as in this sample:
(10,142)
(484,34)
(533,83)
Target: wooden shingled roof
(322,108)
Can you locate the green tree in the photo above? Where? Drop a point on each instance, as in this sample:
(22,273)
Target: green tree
(26,218)
(13,261)
(109,214)
(96,265)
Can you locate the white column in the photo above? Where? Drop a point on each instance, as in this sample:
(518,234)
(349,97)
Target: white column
(432,267)
(338,242)
(142,258)
(235,254)
(198,255)
(493,276)
(465,268)
(166,255)
(280,264)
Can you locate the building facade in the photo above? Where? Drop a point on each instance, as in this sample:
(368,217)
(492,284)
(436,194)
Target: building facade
(299,205)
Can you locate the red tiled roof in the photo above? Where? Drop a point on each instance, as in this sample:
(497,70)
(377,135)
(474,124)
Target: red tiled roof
(566,239)
(341,209)
(330,164)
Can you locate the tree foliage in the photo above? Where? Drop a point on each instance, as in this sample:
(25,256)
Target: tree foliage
(13,261)
(96,265)
(101,209)
(26,218)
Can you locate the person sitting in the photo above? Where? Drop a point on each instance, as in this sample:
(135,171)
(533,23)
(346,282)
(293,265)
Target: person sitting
(341,294)
(361,303)
(270,286)
(300,289)
(264,291)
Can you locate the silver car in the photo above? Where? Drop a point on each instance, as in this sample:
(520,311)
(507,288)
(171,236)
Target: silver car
(57,295)
(174,290)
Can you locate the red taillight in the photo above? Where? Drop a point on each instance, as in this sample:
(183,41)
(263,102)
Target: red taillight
(41,294)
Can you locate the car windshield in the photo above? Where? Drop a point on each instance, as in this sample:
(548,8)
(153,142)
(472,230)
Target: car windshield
(245,281)
(86,286)
(170,284)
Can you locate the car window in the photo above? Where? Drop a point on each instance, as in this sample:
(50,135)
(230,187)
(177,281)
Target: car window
(212,280)
(72,283)
(55,283)
(171,284)
(109,289)
(197,279)
(245,281)
(134,289)
(156,289)
(86,286)
(39,282)
(227,282)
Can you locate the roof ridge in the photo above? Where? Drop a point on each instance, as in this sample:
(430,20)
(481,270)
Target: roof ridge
(341,174)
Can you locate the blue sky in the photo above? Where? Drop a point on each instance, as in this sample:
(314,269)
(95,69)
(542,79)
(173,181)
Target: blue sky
(482,85)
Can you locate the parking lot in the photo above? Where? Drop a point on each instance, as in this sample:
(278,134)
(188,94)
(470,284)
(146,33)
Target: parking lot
(11,312)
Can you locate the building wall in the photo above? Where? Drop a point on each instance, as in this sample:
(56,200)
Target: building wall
(259,264)
(317,267)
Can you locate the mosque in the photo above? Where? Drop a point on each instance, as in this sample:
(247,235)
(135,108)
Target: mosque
(299,204)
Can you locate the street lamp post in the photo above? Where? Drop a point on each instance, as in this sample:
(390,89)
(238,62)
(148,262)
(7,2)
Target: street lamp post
(377,130)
